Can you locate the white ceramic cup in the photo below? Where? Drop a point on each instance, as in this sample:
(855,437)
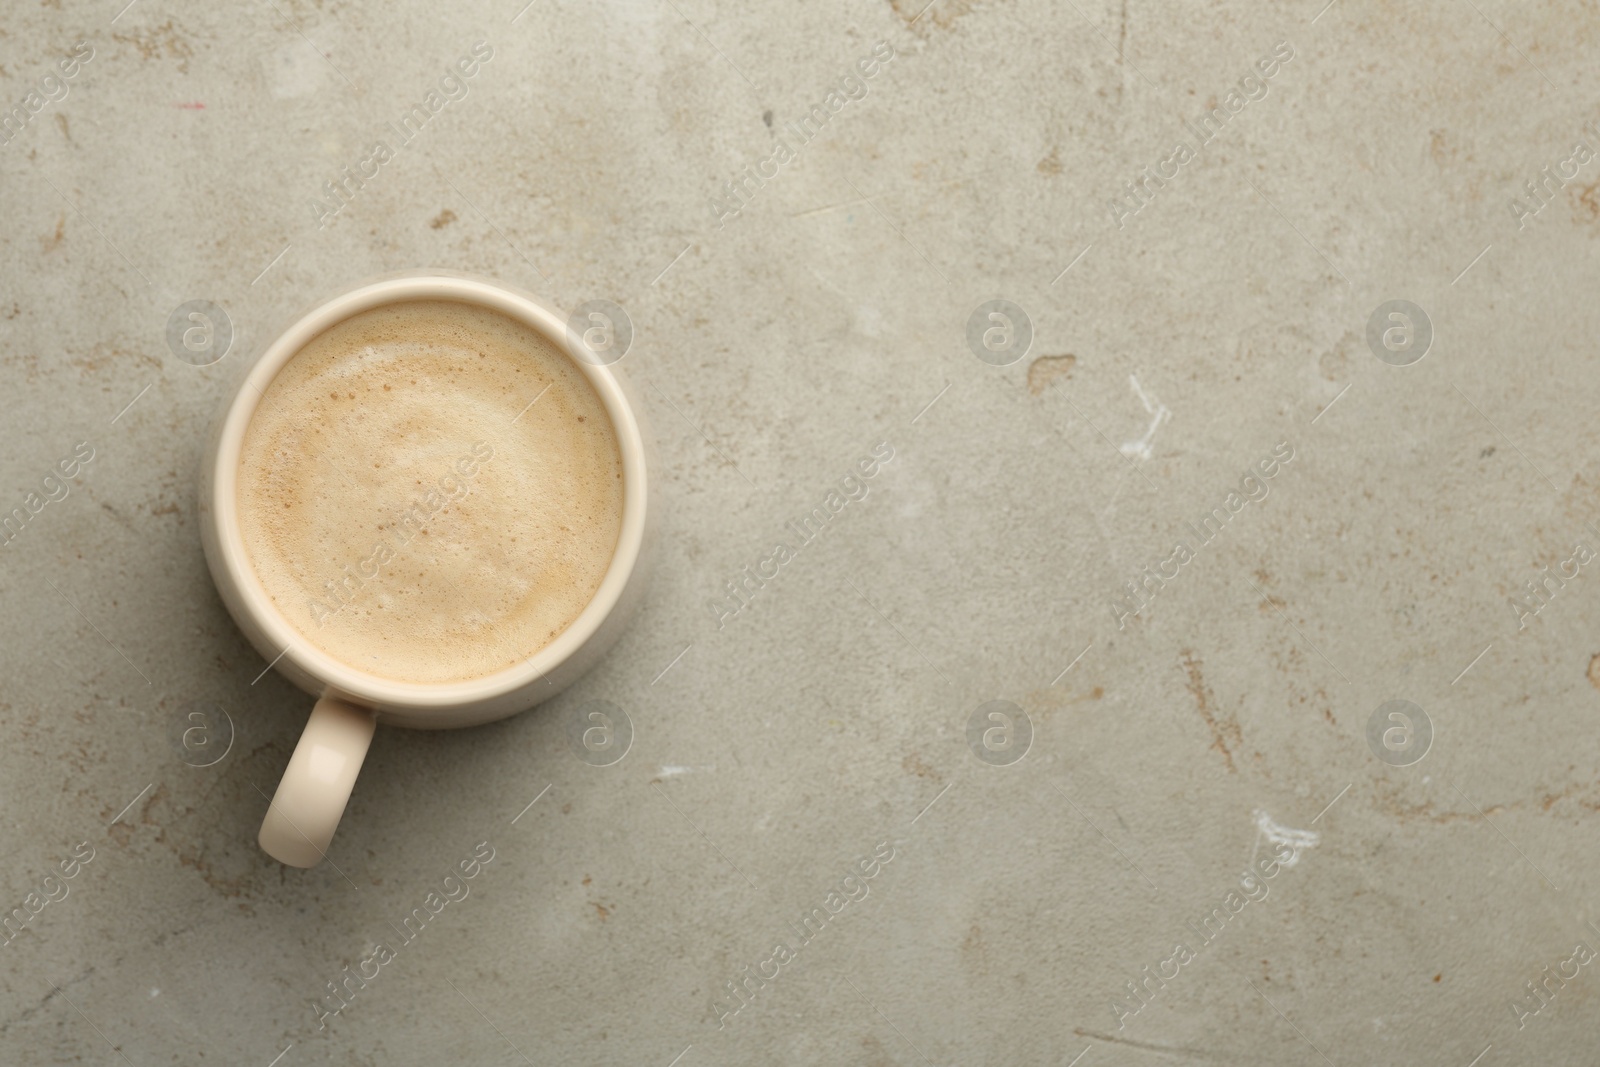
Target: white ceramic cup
(316,785)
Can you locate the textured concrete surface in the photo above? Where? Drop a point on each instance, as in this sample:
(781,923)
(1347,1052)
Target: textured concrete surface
(826,752)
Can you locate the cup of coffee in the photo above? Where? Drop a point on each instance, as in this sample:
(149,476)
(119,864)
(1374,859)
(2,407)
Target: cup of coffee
(428,505)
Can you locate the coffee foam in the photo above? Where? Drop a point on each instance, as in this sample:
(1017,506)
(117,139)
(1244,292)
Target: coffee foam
(430,491)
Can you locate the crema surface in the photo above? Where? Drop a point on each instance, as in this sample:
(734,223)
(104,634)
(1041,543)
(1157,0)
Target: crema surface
(430,491)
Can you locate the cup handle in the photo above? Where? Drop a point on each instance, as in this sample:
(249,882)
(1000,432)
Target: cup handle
(316,785)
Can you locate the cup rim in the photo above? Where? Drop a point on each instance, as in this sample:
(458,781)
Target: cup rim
(335,675)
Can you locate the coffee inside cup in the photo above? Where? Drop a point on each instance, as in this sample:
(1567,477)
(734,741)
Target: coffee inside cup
(430,491)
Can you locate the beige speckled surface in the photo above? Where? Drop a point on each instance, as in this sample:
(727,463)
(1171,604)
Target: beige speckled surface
(774,749)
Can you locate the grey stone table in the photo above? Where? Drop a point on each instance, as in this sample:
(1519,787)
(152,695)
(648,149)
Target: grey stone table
(1231,370)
